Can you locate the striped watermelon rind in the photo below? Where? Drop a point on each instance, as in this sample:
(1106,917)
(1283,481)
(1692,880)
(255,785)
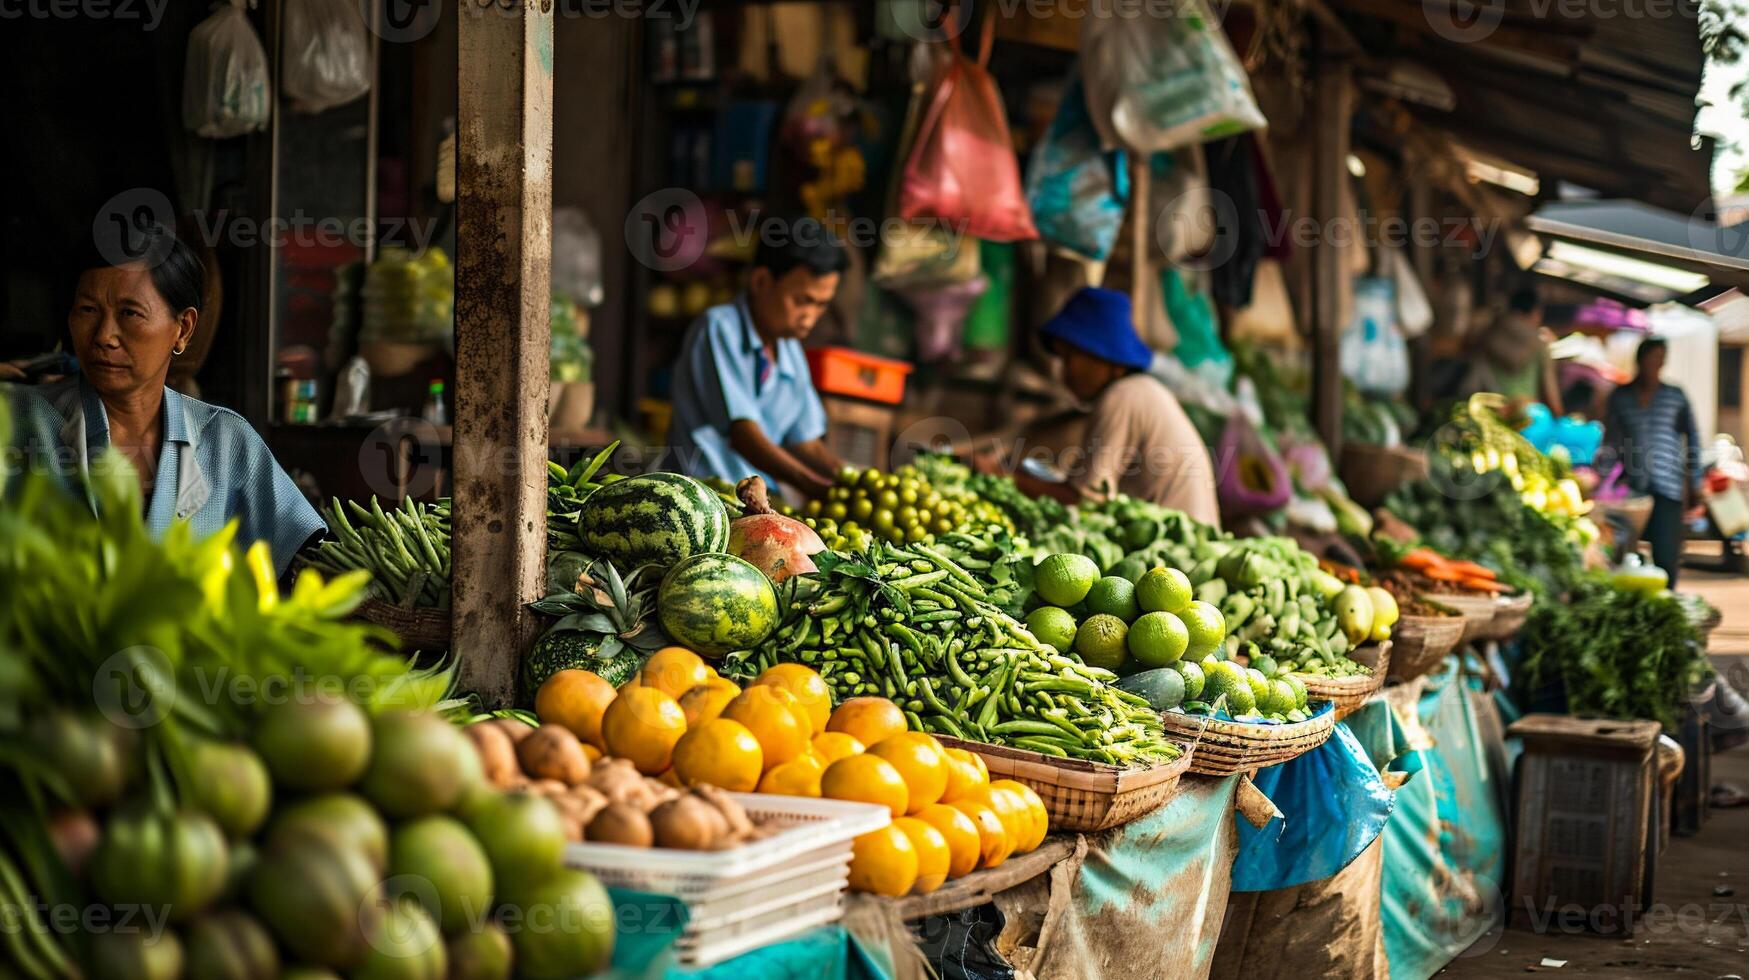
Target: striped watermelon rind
(716,604)
(655,519)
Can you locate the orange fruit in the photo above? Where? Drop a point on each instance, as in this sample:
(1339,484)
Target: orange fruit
(810,689)
(669,777)
(799,776)
(769,713)
(675,670)
(591,753)
(832,746)
(642,725)
(1038,818)
(921,763)
(707,700)
(866,778)
(867,719)
(933,854)
(722,753)
(883,862)
(960,833)
(1012,810)
(575,699)
(993,846)
(633,684)
(965,774)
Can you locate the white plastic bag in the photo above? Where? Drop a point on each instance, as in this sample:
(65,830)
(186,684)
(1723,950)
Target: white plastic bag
(225,87)
(576,257)
(327,54)
(1373,354)
(1414,309)
(1165,81)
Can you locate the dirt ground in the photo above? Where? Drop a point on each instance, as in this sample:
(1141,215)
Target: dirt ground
(1697,924)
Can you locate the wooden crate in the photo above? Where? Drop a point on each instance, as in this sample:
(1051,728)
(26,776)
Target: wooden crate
(1587,798)
(860,432)
(1689,809)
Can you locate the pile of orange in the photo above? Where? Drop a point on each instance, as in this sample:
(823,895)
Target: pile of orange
(682,722)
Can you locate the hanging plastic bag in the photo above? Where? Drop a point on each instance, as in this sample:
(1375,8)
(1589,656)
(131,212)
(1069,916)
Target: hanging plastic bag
(225,87)
(962,168)
(576,257)
(1254,478)
(1164,82)
(924,253)
(1373,353)
(1185,218)
(1199,336)
(327,54)
(1414,309)
(1075,192)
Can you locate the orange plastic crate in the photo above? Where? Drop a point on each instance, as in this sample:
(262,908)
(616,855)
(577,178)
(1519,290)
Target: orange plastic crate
(843,371)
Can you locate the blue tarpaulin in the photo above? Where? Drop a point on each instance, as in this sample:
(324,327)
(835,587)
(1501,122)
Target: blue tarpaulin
(1333,806)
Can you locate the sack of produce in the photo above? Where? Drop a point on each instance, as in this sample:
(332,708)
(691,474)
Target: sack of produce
(225,87)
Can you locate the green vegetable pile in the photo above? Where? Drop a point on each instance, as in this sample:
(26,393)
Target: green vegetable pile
(1526,548)
(909,624)
(1617,653)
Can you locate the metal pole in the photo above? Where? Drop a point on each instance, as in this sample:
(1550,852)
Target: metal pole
(504,208)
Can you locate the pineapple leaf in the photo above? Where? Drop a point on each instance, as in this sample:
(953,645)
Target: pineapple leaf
(595,622)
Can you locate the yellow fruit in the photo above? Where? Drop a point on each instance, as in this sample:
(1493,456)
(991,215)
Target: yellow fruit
(707,700)
(591,753)
(675,670)
(993,846)
(961,834)
(643,725)
(810,689)
(575,699)
(868,720)
(720,752)
(633,684)
(965,775)
(920,761)
(799,776)
(1037,818)
(769,713)
(883,862)
(832,746)
(1012,810)
(933,855)
(671,778)
(866,778)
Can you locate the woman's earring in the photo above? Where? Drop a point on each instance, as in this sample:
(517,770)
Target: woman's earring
(177,351)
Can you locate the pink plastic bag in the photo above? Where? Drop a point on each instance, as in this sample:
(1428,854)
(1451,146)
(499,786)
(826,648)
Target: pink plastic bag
(1254,479)
(962,168)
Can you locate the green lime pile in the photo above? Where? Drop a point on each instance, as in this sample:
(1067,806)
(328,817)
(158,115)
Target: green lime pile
(901,507)
(1127,627)
(1259,690)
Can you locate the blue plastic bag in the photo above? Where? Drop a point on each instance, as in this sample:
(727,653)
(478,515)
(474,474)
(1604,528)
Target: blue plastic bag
(1333,804)
(1075,190)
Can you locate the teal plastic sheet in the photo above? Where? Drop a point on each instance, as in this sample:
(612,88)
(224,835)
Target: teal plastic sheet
(1444,858)
(1333,806)
(647,926)
(1147,899)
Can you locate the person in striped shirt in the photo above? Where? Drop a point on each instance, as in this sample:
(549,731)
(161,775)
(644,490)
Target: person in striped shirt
(1650,430)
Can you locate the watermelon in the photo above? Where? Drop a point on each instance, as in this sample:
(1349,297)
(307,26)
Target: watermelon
(562,649)
(1162,686)
(716,604)
(655,519)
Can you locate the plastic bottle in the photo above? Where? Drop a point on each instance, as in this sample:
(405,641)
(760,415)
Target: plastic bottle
(434,411)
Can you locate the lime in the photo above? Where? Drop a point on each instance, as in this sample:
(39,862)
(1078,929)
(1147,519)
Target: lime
(1265,665)
(1206,626)
(1228,679)
(1193,678)
(1164,590)
(1100,641)
(1114,596)
(1064,580)
(1053,626)
(1299,689)
(1281,698)
(1157,639)
(1259,685)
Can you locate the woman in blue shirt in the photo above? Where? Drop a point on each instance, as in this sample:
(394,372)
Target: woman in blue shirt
(1651,431)
(134,309)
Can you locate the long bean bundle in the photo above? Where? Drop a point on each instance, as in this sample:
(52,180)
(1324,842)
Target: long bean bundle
(405,548)
(909,624)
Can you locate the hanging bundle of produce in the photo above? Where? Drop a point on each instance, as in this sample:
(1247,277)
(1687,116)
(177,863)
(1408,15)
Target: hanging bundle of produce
(1476,443)
(909,624)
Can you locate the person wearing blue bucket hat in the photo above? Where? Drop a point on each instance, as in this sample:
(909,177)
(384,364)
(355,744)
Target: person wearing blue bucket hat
(1139,440)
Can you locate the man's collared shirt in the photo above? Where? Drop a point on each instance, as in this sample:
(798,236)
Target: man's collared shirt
(723,376)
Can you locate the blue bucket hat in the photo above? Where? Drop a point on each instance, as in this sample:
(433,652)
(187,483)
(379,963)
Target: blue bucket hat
(1099,322)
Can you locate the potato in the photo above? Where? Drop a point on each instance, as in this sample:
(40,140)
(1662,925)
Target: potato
(689,824)
(549,788)
(497,753)
(552,752)
(734,815)
(620,824)
(574,824)
(517,730)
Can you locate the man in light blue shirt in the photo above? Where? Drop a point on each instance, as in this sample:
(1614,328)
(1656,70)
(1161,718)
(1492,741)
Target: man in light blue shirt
(744,402)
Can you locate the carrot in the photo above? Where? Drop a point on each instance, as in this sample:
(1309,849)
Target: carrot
(1481,584)
(1421,558)
(1441,573)
(1472,569)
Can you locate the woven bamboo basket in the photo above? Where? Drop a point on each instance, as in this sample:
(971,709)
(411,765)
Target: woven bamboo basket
(1079,795)
(419,627)
(1635,512)
(1478,612)
(1372,472)
(1510,612)
(1222,748)
(1349,693)
(1420,643)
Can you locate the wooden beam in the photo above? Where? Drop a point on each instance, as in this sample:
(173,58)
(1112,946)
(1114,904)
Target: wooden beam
(504,211)
(1332,282)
